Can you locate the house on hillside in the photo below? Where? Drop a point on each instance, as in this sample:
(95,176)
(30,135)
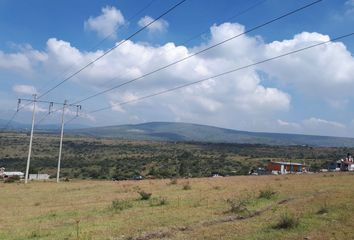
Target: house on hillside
(334,166)
(344,164)
(285,167)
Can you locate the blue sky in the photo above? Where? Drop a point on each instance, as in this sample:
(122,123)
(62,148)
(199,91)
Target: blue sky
(41,42)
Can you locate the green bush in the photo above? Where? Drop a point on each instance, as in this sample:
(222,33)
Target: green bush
(155,202)
(238,206)
(119,205)
(12,179)
(266,193)
(173,181)
(287,221)
(187,186)
(323,209)
(144,195)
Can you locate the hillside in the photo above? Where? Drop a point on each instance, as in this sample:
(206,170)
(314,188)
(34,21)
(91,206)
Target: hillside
(165,131)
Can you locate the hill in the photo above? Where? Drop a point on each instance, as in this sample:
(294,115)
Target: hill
(167,131)
(17,126)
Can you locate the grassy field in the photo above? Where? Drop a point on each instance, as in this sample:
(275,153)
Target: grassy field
(313,206)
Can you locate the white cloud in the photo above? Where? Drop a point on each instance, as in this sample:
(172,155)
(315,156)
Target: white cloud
(24,61)
(238,100)
(158,26)
(315,123)
(39,109)
(314,126)
(289,125)
(349,4)
(24,89)
(107,23)
(322,71)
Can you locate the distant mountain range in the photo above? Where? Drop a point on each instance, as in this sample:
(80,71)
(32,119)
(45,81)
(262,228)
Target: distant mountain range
(168,131)
(46,127)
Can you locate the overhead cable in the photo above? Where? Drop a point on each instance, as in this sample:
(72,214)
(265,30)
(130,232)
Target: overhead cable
(199,52)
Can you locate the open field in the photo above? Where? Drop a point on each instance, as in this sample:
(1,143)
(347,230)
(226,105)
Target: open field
(320,205)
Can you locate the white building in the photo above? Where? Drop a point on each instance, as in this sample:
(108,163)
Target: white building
(4,174)
(38,176)
(13,174)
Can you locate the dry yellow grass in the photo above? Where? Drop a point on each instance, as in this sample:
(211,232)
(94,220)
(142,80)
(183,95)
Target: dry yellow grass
(82,209)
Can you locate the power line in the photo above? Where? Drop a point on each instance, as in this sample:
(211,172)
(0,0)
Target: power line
(9,121)
(92,48)
(225,73)
(132,17)
(103,40)
(72,119)
(238,14)
(199,52)
(111,49)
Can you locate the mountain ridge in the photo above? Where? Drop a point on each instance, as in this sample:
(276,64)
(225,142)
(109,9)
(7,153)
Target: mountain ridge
(173,131)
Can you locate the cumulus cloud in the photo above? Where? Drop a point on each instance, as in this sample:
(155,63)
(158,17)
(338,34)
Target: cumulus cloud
(107,23)
(238,100)
(327,69)
(24,89)
(24,61)
(158,26)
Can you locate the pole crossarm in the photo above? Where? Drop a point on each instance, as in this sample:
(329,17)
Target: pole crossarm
(43,101)
(64,105)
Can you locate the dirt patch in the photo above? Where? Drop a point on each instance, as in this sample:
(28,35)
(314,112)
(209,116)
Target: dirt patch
(152,235)
(171,231)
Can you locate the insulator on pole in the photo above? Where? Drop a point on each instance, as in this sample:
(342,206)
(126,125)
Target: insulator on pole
(78,107)
(18,104)
(50,107)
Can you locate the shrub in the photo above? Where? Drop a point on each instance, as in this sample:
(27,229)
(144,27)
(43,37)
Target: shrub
(287,221)
(119,205)
(323,209)
(238,206)
(144,195)
(187,186)
(12,179)
(154,202)
(267,193)
(173,181)
(34,234)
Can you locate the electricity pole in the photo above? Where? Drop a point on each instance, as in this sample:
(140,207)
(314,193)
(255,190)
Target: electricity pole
(51,104)
(31,138)
(61,139)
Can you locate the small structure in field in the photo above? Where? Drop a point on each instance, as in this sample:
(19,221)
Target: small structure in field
(38,176)
(285,167)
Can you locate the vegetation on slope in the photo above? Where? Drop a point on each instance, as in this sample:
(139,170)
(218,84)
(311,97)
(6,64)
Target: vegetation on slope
(108,158)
